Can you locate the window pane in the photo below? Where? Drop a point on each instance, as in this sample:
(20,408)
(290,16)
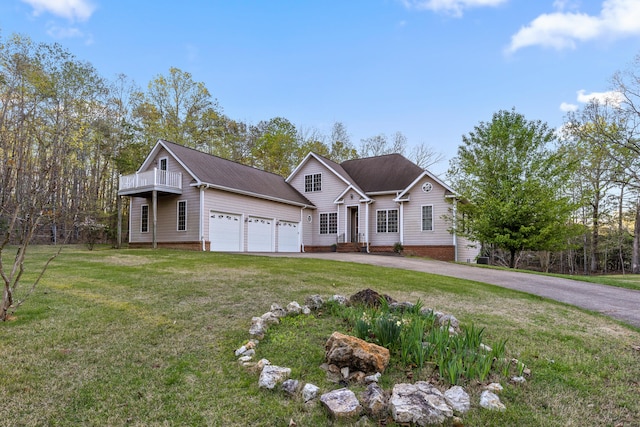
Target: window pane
(308,183)
(333,223)
(392,221)
(317,182)
(427,218)
(381,222)
(323,223)
(182,215)
(144,227)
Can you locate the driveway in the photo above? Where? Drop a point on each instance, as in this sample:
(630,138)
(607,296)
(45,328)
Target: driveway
(618,303)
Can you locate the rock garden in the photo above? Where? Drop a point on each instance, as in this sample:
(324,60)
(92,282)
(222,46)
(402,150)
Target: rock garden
(441,363)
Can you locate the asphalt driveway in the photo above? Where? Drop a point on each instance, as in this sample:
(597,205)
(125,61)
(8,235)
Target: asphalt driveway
(618,303)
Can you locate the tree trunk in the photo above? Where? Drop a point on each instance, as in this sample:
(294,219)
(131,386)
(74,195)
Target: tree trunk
(512,259)
(635,261)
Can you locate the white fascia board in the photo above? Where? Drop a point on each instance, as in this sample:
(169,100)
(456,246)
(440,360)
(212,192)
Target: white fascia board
(420,177)
(323,163)
(152,154)
(363,197)
(295,171)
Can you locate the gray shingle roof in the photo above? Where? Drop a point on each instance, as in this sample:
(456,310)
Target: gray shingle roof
(391,172)
(227,174)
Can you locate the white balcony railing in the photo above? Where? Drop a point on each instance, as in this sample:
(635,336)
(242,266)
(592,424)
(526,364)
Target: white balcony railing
(153,179)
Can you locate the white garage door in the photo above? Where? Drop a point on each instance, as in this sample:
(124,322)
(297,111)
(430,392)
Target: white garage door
(225,232)
(288,233)
(260,235)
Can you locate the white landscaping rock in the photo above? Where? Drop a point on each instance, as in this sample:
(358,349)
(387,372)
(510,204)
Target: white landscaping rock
(421,403)
(458,399)
(272,375)
(491,401)
(341,403)
(310,392)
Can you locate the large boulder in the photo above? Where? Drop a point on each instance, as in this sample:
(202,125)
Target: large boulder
(369,298)
(356,354)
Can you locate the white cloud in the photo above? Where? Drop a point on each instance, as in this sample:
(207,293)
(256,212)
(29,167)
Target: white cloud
(561,30)
(611,98)
(453,7)
(72,10)
(566,107)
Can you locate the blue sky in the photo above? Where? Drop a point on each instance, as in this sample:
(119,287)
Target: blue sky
(431,69)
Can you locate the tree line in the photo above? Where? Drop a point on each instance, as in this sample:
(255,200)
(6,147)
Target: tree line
(563,200)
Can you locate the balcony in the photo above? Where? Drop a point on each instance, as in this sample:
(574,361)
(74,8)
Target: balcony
(143,183)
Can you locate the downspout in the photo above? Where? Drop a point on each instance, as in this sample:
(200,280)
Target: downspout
(301,232)
(455,229)
(401,223)
(201,225)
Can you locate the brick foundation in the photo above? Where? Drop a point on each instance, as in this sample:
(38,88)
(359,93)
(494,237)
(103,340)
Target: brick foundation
(188,246)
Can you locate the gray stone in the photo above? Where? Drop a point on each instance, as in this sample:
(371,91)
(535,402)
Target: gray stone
(258,327)
(340,299)
(491,401)
(278,310)
(519,380)
(375,400)
(310,392)
(306,310)
(494,387)
(458,399)
(314,302)
(420,403)
(270,318)
(373,378)
(341,403)
(272,375)
(291,386)
(293,308)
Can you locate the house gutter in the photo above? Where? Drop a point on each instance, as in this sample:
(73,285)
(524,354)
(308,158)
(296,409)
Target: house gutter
(202,187)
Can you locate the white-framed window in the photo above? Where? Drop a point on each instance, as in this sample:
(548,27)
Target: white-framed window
(144,218)
(313,183)
(387,221)
(163,162)
(182,215)
(427,218)
(329,223)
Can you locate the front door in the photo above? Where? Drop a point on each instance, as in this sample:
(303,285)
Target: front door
(353,224)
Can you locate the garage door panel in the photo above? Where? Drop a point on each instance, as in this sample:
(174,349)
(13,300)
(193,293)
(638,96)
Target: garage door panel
(225,232)
(288,236)
(260,234)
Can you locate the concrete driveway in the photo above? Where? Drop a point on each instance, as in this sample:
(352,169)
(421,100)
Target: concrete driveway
(618,303)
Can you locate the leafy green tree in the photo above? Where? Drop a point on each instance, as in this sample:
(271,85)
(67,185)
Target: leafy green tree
(179,109)
(513,181)
(276,146)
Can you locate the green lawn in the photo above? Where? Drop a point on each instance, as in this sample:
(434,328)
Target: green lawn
(146,338)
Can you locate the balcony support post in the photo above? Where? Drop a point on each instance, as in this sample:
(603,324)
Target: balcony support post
(154,199)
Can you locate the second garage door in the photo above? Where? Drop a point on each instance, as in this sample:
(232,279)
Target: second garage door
(260,235)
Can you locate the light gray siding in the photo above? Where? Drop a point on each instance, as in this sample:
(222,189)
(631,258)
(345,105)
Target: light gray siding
(332,187)
(383,202)
(468,250)
(412,213)
(168,209)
